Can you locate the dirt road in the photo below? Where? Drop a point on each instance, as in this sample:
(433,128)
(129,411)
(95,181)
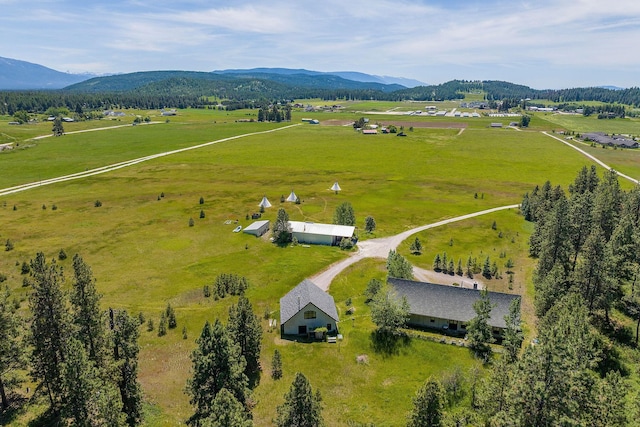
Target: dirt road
(379,248)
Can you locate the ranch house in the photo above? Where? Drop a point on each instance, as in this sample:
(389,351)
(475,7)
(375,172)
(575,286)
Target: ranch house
(305,308)
(449,308)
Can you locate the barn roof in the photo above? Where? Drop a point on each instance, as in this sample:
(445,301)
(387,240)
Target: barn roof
(322,229)
(450,302)
(306,292)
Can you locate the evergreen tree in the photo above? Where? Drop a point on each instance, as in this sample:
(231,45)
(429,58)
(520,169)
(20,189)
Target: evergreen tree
(171,317)
(445,263)
(513,337)
(369,224)
(226,411)
(416,247)
(245,330)
(607,204)
(494,395)
(12,349)
(89,401)
(344,214)
(50,327)
(276,365)
(162,325)
(479,331)
(87,316)
(281,229)
(301,408)
(459,270)
(58,129)
(126,349)
(428,406)
(451,267)
(217,364)
(437,263)
(486,268)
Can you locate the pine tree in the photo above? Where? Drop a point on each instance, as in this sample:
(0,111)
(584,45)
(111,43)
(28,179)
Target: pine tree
(369,224)
(217,364)
(171,317)
(276,365)
(398,266)
(373,287)
(50,327)
(57,129)
(479,331)
(281,229)
(459,270)
(513,337)
(87,316)
(428,406)
(226,411)
(89,401)
(486,268)
(416,247)
(301,408)
(437,263)
(244,329)
(162,325)
(12,349)
(445,263)
(126,350)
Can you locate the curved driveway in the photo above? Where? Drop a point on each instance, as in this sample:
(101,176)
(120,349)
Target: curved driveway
(379,248)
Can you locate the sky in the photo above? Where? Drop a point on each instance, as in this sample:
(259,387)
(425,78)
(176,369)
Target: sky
(538,43)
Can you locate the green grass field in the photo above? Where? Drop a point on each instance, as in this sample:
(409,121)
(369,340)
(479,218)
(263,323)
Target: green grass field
(144,254)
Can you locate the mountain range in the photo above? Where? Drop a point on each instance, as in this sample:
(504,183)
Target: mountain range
(21,75)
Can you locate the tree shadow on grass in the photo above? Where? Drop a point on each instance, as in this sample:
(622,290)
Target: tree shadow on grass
(254,379)
(15,409)
(389,343)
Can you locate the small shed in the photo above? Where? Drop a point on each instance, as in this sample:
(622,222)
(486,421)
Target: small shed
(257,228)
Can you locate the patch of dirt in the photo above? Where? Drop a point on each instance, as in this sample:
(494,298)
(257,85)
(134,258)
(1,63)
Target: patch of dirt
(445,279)
(433,125)
(336,122)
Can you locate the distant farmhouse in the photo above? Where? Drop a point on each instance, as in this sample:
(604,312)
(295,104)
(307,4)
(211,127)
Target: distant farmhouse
(449,308)
(610,141)
(306,308)
(320,234)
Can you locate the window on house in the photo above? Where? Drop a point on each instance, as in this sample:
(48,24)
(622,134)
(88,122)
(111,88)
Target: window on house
(328,326)
(432,320)
(310,314)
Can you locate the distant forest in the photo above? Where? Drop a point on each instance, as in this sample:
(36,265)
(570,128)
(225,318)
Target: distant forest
(190,90)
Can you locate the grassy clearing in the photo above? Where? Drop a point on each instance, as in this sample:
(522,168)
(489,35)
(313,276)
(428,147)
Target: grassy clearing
(581,124)
(144,254)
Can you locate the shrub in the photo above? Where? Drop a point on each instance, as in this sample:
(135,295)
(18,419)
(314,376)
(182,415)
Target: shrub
(202,200)
(150,325)
(54,207)
(8,246)
(207,291)
(97,203)
(201,214)
(62,255)
(3,277)
(191,222)
(346,244)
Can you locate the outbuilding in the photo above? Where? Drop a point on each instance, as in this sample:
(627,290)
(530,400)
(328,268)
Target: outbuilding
(257,228)
(320,234)
(306,308)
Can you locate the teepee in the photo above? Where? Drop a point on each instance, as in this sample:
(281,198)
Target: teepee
(335,187)
(292,197)
(265,203)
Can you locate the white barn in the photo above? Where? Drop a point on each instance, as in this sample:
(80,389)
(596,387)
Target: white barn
(320,234)
(305,308)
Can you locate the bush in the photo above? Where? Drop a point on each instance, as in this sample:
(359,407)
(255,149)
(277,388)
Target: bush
(202,200)
(97,203)
(3,277)
(346,244)
(207,291)
(201,214)
(54,207)
(191,222)
(8,246)
(62,255)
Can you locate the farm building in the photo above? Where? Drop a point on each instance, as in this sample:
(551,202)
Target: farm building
(320,234)
(611,141)
(305,308)
(447,307)
(257,228)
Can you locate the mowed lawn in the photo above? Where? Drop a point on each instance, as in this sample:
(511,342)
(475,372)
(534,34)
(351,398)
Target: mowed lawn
(144,254)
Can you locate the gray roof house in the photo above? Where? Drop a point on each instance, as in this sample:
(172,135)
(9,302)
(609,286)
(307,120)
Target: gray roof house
(305,308)
(448,307)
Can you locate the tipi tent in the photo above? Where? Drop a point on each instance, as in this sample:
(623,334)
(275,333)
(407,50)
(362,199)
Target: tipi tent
(292,197)
(265,203)
(336,187)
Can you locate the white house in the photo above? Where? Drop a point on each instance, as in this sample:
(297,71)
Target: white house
(305,308)
(320,234)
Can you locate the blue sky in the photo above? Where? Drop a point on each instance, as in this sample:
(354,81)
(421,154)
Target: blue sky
(539,43)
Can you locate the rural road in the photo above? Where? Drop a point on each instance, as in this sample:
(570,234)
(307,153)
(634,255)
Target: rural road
(379,248)
(115,166)
(595,159)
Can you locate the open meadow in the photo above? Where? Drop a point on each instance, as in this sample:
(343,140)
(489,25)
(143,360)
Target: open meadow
(144,254)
